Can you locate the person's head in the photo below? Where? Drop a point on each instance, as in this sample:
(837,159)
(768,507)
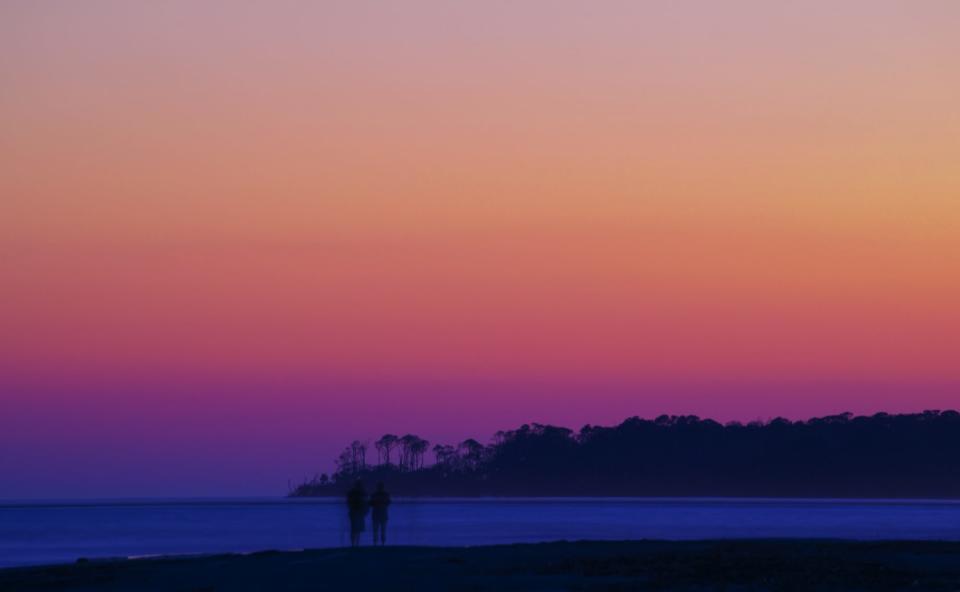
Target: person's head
(380,486)
(358,484)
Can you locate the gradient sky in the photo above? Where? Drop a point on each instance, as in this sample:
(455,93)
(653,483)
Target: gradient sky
(234,236)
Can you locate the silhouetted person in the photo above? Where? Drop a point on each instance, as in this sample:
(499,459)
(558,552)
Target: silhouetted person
(379,502)
(357,509)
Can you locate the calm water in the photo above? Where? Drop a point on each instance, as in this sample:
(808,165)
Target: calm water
(54,532)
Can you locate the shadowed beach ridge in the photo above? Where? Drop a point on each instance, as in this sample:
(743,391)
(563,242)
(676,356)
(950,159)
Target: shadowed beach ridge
(628,565)
(892,456)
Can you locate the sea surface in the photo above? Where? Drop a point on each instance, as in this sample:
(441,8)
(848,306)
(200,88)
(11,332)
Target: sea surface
(63,531)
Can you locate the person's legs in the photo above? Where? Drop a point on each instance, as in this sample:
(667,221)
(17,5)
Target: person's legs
(383,532)
(356,529)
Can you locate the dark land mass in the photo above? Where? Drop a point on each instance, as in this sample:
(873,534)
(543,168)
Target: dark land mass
(880,456)
(585,566)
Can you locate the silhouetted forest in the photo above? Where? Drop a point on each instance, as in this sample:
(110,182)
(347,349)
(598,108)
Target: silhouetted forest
(914,455)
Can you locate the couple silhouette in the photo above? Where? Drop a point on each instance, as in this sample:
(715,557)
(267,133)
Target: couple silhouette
(359,504)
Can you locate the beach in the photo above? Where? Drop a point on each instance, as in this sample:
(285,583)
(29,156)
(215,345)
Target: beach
(628,565)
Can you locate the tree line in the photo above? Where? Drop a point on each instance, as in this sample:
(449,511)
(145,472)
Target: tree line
(883,455)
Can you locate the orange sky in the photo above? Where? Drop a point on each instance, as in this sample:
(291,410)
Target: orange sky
(619,192)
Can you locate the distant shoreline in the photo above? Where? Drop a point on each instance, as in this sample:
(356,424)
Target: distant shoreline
(690,565)
(337,496)
(706,498)
(908,456)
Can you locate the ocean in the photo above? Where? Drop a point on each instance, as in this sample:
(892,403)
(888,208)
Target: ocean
(46,532)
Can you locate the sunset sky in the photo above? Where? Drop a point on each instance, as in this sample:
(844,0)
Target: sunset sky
(236,235)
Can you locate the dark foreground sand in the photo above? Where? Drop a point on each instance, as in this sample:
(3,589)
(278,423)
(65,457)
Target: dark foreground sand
(641,565)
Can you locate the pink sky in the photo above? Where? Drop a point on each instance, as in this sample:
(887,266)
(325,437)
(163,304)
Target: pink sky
(235,236)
